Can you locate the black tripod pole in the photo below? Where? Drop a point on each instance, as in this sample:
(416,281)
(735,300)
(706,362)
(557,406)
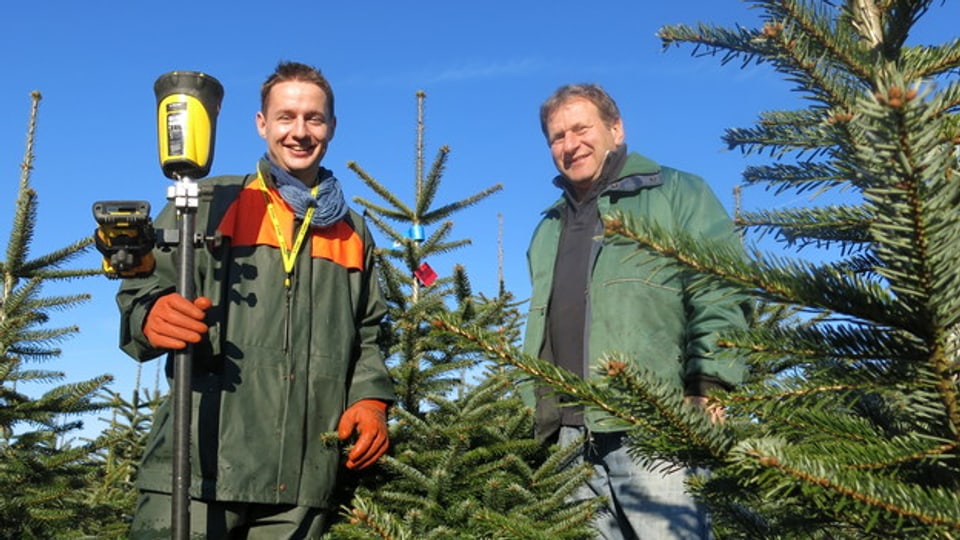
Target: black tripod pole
(185,194)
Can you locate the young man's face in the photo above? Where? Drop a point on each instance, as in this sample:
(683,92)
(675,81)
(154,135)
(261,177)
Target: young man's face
(296,125)
(579,141)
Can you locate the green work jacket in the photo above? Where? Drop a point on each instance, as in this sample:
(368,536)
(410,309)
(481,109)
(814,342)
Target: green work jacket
(636,306)
(279,365)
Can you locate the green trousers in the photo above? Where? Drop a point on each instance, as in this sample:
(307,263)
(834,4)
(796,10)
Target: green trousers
(229,520)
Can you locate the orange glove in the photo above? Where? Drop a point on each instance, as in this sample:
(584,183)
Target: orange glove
(369,418)
(174,321)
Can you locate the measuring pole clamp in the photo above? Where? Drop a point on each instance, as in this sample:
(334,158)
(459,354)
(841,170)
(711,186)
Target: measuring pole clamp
(185,194)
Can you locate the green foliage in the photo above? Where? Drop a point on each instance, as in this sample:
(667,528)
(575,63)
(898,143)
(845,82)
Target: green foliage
(112,495)
(463,463)
(41,478)
(850,430)
(469,469)
(40,474)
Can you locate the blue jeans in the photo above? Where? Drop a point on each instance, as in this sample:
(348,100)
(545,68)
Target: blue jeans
(642,503)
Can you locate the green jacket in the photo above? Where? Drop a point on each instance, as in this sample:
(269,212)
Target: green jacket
(637,306)
(276,370)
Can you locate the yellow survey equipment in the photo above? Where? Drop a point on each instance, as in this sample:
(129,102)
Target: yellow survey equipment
(188,103)
(125,237)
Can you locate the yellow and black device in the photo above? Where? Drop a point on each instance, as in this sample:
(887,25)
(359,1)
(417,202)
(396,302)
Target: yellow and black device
(125,237)
(188,103)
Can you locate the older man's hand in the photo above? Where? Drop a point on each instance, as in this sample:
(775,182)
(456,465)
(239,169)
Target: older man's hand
(716,412)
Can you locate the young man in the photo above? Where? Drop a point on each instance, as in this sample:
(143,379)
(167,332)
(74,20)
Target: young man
(589,298)
(284,327)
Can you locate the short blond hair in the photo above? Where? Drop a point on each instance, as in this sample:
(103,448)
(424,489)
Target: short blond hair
(295,71)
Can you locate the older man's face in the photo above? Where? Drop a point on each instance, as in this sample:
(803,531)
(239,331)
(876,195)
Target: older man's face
(579,141)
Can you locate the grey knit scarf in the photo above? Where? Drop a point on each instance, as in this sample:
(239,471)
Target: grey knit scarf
(330,205)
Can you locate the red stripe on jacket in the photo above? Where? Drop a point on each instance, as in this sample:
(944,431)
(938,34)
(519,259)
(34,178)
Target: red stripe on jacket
(248,223)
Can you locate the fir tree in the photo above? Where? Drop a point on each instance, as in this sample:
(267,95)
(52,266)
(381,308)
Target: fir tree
(463,463)
(40,475)
(422,361)
(112,496)
(848,427)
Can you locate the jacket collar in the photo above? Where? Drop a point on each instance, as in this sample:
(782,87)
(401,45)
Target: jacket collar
(636,182)
(636,172)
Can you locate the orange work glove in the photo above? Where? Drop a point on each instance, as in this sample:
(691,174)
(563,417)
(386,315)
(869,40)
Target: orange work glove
(369,418)
(174,321)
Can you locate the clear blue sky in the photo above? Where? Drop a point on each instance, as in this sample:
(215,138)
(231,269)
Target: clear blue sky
(485,66)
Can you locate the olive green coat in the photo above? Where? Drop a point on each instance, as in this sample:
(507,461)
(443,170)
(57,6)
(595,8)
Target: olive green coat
(274,376)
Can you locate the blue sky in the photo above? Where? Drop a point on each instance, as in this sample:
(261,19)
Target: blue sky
(485,66)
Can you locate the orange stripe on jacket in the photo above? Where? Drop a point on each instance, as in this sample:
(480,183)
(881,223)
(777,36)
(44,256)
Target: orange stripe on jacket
(247,223)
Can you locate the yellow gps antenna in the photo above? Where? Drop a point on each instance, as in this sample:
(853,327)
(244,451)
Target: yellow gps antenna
(188,103)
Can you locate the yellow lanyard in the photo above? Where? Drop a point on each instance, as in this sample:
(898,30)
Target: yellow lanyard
(289,256)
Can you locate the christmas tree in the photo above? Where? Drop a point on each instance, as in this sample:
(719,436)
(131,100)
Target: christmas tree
(41,474)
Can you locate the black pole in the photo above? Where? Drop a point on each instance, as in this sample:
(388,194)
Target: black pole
(186,198)
(188,103)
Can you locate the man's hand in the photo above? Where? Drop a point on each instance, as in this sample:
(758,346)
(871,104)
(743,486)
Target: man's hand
(716,412)
(368,417)
(174,321)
